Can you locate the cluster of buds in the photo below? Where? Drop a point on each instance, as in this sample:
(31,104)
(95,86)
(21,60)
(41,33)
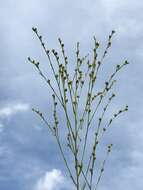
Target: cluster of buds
(80,75)
(56,122)
(94,155)
(91,75)
(63,51)
(109,42)
(55,54)
(117,114)
(38,112)
(110,37)
(63,72)
(106,85)
(109,100)
(69,143)
(110,147)
(34,62)
(61,43)
(96,95)
(77,52)
(121,111)
(40,38)
(88,99)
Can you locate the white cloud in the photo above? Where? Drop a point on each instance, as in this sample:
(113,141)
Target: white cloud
(52,180)
(13,109)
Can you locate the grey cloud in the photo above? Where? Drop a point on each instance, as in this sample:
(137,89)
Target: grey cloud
(73,21)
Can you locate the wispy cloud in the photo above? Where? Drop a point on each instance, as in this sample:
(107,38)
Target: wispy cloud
(13,109)
(1,127)
(52,180)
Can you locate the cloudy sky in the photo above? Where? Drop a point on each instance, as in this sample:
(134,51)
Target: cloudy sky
(28,155)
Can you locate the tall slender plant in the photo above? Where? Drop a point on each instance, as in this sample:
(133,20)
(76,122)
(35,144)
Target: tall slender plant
(77,95)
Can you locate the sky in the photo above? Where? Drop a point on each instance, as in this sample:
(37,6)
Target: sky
(29,157)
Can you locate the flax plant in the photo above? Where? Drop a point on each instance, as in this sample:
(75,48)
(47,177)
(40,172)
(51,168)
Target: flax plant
(81,119)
